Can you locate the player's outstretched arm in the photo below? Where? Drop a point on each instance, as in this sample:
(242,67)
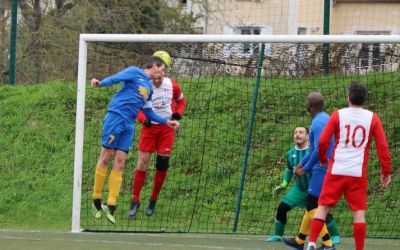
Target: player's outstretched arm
(286,178)
(122,76)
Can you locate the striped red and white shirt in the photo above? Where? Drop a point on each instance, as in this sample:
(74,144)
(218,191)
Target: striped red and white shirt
(353,129)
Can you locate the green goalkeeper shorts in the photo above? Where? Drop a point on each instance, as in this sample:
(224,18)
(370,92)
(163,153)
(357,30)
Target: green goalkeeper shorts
(295,197)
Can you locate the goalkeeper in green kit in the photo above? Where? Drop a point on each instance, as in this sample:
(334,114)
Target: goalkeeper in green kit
(297,194)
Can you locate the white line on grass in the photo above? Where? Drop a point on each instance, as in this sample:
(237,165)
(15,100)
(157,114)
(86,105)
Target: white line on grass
(119,242)
(166,235)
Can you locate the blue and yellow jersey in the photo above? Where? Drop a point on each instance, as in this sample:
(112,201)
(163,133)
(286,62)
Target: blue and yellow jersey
(135,91)
(311,162)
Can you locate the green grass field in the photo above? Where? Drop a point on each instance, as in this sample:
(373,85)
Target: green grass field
(21,240)
(37,140)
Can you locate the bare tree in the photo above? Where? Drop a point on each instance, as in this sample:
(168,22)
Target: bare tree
(48,32)
(33,12)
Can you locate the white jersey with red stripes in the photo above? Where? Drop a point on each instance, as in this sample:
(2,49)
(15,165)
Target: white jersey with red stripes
(353,129)
(355,126)
(163,97)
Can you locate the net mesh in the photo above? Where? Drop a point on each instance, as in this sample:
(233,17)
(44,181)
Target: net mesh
(208,160)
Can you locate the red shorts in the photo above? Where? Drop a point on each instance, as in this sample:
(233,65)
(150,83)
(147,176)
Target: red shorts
(353,188)
(158,138)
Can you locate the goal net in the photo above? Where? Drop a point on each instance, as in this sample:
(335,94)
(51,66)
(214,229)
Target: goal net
(245,96)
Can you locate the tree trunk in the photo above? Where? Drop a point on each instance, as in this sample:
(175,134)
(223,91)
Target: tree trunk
(32,12)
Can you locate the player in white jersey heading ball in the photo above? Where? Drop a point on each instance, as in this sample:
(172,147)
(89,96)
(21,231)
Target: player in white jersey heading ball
(168,102)
(353,128)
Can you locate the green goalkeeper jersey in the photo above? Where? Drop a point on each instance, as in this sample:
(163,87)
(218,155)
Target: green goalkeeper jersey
(293,157)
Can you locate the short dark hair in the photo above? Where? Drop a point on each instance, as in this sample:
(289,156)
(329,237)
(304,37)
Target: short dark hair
(316,100)
(357,93)
(154,60)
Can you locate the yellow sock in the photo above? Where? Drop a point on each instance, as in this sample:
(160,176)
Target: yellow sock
(304,227)
(99,178)
(114,185)
(326,238)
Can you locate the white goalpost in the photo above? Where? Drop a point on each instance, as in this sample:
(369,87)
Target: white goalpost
(83,79)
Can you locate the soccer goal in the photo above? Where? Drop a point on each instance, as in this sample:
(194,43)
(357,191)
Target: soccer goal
(245,95)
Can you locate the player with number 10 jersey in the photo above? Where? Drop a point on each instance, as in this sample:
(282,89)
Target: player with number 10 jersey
(353,128)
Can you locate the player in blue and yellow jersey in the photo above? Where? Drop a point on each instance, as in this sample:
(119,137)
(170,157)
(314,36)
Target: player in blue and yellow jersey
(297,194)
(310,165)
(118,127)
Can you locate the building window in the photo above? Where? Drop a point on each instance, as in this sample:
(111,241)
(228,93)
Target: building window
(249,30)
(301,31)
(372,55)
(249,48)
(246,49)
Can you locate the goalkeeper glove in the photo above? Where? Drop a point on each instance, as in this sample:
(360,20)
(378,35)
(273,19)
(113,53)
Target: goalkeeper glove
(147,123)
(176,116)
(281,186)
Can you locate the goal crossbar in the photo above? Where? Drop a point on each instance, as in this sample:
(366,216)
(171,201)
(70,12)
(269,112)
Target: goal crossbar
(240,38)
